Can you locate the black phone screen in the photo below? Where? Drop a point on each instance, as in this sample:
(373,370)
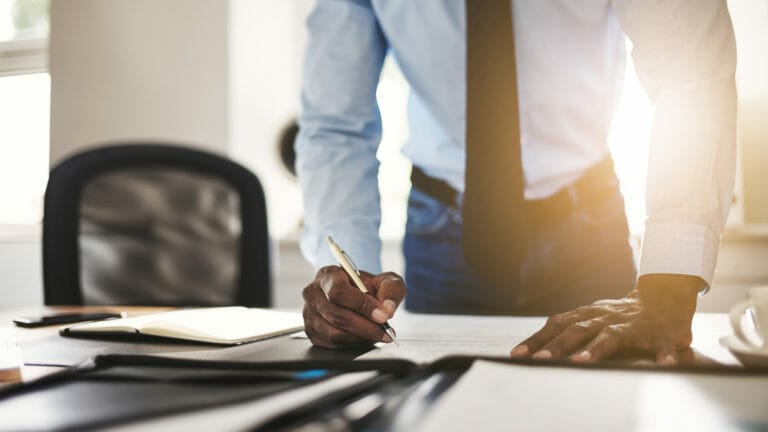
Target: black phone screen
(62,318)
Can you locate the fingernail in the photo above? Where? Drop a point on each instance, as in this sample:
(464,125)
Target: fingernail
(386,338)
(542,355)
(519,351)
(379,315)
(582,356)
(389,306)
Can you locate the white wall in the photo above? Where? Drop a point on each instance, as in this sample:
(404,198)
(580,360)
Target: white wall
(139,69)
(21,267)
(267,44)
(750,22)
(223,75)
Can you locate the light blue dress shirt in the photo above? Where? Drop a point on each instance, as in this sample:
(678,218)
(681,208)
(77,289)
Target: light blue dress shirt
(570,59)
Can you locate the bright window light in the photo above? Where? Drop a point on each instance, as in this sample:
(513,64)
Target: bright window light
(24,110)
(628,141)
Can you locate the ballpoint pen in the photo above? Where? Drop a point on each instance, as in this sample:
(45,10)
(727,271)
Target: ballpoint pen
(345,261)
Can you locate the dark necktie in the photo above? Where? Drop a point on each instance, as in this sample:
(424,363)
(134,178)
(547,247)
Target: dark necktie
(494,224)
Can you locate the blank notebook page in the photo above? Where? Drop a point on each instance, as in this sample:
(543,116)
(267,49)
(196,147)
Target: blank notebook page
(224,323)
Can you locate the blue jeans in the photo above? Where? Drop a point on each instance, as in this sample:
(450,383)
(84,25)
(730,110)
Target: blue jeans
(583,257)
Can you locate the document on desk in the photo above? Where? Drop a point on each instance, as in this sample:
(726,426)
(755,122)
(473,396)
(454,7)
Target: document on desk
(464,327)
(501,397)
(426,338)
(425,352)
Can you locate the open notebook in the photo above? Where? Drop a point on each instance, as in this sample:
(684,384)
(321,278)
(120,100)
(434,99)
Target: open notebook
(221,325)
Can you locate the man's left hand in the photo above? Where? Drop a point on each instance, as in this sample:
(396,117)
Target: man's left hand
(655,317)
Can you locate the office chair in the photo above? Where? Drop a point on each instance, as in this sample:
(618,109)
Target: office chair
(152,224)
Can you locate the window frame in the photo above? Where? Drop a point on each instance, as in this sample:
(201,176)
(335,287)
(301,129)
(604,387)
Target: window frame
(23,56)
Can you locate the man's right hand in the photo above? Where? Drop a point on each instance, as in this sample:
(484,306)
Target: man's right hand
(337,314)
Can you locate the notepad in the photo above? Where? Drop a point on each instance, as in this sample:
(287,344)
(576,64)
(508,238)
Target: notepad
(230,325)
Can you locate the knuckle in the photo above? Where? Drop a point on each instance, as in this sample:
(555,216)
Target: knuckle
(311,334)
(581,327)
(323,272)
(336,337)
(583,310)
(328,274)
(306,293)
(336,294)
(338,319)
(556,320)
(614,330)
(393,280)
(393,276)
(315,338)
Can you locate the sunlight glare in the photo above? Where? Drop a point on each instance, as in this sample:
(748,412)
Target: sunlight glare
(628,141)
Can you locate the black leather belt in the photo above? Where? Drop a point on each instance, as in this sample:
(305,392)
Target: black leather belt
(594,187)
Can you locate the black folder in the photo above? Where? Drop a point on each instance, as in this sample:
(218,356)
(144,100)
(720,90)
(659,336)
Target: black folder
(119,389)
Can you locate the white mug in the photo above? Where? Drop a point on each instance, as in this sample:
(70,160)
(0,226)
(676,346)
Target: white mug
(757,304)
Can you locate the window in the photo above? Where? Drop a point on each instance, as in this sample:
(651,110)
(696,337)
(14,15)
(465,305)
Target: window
(24,109)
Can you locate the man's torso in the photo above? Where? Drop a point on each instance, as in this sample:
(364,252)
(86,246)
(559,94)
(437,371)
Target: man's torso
(570,58)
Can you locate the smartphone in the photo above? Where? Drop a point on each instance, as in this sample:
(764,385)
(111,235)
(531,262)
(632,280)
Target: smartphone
(62,318)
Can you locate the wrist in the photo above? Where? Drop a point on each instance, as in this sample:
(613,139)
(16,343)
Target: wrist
(670,290)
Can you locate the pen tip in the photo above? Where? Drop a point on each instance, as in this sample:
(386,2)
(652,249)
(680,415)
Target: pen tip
(391,333)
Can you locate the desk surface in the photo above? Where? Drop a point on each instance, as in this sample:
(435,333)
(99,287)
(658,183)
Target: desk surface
(423,338)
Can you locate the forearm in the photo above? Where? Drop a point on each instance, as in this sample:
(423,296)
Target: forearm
(685,57)
(341,199)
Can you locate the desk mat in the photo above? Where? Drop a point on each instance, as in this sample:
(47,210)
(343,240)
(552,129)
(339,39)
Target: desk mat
(115,389)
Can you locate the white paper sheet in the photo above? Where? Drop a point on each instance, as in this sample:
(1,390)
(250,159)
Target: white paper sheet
(426,338)
(432,327)
(498,397)
(424,352)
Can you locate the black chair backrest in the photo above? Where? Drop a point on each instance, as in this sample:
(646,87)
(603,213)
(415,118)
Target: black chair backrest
(154,224)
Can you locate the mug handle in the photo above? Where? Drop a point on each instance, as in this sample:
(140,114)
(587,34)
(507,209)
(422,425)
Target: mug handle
(737,311)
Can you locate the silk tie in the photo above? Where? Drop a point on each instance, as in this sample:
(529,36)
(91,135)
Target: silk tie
(494,221)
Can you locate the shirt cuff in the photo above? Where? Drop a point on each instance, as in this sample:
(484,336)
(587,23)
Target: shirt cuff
(679,248)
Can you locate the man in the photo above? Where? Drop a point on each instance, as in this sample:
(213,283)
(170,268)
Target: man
(515,207)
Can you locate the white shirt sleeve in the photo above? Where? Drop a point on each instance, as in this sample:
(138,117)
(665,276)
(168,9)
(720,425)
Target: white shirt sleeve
(685,56)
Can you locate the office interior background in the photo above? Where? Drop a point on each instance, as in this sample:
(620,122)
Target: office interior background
(224,75)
